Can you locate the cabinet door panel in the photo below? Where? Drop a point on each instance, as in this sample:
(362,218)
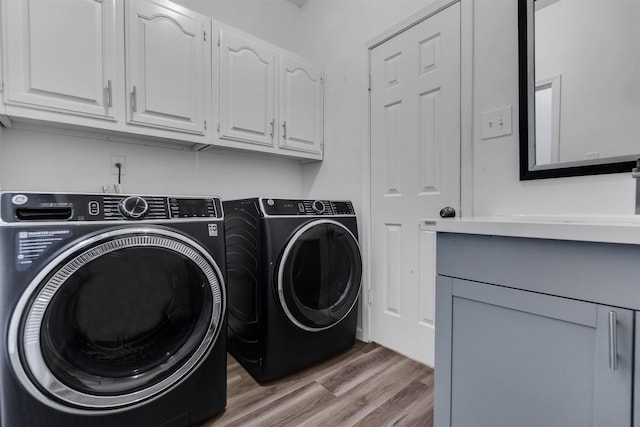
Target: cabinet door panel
(62,55)
(301,114)
(167,67)
(528,359)
(247,103)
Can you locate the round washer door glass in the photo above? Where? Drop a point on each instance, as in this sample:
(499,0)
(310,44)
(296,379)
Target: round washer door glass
(119,318)
(319,275)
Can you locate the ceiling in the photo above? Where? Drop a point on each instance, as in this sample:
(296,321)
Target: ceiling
(298,3)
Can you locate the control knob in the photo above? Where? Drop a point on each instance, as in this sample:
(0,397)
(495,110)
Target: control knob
(318,206)
(133,207)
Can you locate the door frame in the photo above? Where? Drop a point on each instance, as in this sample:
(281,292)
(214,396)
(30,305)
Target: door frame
(466,136)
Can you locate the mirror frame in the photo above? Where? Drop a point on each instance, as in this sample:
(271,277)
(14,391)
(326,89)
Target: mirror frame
(526,75)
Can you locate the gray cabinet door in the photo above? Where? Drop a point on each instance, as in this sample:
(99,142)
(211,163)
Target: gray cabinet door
(507,357)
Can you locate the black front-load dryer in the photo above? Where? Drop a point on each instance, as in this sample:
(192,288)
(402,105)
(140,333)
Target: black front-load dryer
(294,272)
(113,310)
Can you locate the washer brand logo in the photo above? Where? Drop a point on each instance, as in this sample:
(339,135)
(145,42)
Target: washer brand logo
(213,230)
(19,199)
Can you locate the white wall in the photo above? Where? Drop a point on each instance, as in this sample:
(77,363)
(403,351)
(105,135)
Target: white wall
(496,186)
(44,161)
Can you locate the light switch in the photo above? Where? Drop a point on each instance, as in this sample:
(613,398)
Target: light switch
(496,123)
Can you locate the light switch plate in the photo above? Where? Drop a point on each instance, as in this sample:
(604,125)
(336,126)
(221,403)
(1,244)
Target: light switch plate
(496,123)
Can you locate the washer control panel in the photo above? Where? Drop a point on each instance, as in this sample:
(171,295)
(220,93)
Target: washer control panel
(297,207)
(54,207)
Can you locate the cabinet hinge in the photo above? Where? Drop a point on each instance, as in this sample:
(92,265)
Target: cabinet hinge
(205,125)
(219,39)
(1,85)
(204,34)
(369,82)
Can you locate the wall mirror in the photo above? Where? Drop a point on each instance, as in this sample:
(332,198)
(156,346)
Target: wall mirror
(579,65)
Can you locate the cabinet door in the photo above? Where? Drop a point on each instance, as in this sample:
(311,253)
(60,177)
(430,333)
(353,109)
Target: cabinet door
(168,66)
(62,56)
(247,103)
(301,101)
(507,357)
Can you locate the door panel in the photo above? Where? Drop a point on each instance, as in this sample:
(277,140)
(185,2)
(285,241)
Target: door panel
(521,351)
(247,90)
(301,101)
(63,56)
(415,164)
(168,57)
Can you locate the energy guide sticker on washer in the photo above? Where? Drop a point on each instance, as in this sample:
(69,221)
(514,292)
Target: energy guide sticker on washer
(30,245)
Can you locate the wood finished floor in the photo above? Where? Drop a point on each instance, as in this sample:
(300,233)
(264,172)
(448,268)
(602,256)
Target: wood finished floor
(368,385)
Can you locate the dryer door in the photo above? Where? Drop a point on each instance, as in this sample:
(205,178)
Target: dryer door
(117,319)
(319,275)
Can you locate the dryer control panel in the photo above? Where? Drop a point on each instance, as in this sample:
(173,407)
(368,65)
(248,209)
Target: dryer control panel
(54,207)
(297,207)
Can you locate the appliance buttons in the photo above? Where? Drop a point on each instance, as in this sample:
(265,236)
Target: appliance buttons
(133,207)
(301,207)
(318,206)
(94,208)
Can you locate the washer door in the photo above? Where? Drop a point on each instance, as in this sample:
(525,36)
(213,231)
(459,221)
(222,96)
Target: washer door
(117,319)
(319,275)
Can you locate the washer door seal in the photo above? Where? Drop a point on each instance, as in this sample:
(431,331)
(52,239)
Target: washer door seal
(116,319)
(319,275)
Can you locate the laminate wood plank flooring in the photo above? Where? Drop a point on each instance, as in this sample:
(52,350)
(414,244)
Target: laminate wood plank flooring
(368,385)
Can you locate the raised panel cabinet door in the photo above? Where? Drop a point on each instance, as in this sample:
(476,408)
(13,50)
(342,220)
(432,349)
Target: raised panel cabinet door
(247,90)
(301,101)
(168,66)
(62,56)
(519,358)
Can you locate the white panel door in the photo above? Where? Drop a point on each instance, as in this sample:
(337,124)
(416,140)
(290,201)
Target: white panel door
(247,90)
(168,65)
(301,117)
(415,171)
(62,56)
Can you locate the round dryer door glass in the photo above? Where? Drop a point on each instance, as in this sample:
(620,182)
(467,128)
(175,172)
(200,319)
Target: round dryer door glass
(123,317)
(319,275)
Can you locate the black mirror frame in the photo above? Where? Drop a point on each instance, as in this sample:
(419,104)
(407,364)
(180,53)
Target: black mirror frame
(526,76)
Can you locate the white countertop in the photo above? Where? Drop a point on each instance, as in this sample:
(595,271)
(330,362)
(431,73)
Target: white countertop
(602,228)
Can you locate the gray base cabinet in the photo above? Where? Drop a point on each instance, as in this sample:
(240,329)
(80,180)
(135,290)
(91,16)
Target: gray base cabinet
(507,355)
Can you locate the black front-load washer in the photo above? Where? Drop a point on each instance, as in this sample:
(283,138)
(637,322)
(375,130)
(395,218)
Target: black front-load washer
(294,272)
(113,310)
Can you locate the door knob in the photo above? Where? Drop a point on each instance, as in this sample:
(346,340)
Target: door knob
(447,212)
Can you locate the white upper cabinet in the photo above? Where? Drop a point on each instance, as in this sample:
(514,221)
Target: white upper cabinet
(168,66)
(62,56)
(301,101)
(247,89)
(270,100)
(155,69)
